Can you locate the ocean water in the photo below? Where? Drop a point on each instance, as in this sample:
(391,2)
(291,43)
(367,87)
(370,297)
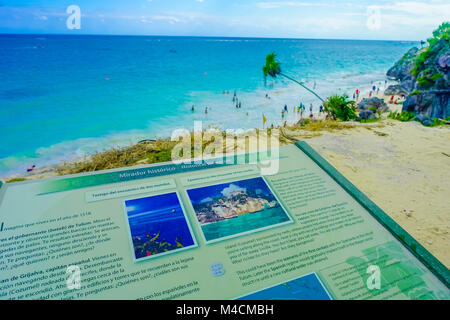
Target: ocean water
(244,223)
(57,104)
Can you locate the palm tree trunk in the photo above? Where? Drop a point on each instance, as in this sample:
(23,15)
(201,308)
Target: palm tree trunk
(282,74)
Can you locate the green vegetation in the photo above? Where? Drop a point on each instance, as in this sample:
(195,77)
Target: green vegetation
(403,116)
(338,107)
(369,120)
(427,76)
(425,81)
(437,122)
(273,68)
(442,32)
(436,76)
(417,91)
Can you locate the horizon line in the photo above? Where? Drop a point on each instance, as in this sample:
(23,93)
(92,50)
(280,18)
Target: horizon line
(194,36)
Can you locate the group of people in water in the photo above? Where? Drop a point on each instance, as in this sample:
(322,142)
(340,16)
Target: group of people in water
(301,109)
(235,100)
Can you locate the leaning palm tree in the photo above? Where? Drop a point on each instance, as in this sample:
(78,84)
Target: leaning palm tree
(272,68)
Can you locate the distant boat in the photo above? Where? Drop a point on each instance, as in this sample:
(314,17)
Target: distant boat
(173,51)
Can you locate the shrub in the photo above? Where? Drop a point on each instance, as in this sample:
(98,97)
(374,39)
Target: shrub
(424,82)
(403,116)
(436,122)
(339,107)
(436,76)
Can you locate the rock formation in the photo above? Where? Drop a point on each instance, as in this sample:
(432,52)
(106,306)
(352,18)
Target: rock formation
(424,77)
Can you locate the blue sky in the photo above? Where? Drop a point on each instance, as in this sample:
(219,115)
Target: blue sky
(340,19)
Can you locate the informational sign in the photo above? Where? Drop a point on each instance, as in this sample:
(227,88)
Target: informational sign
(208,231)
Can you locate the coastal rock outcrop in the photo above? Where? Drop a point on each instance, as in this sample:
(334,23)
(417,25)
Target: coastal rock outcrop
(367,115)
(424,75)
(374,104)
(402,69)
(396,89)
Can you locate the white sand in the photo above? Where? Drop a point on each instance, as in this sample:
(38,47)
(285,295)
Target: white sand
(406,171)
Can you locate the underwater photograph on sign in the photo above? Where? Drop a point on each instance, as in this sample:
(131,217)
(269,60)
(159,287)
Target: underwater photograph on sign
(158,226)
(230,209)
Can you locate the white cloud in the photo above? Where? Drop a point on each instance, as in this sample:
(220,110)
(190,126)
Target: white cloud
(419,8)
(279,4)
(170,19)
(209,199)
(232,188)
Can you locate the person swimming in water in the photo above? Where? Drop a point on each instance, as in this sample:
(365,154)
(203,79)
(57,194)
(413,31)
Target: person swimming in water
(192,108)
(31,168)
(206,110)
(285,108)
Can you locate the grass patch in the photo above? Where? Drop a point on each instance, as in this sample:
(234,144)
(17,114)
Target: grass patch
(147,152)
(16,180)
(437,122)
(381,134)
(369,120)
(403,116)
(323,125)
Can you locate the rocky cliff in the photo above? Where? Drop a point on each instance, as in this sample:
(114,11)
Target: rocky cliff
(424,77)
(238,203)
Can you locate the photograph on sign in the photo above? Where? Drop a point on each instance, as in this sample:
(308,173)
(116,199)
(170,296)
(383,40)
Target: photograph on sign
(240,207)
(158,226)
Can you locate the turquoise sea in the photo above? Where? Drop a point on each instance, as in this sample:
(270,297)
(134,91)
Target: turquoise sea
(244,223)
(57,104)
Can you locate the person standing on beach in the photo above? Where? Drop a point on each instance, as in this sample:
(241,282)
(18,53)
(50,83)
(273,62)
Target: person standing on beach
(321,109)
(310,108)
(285,108)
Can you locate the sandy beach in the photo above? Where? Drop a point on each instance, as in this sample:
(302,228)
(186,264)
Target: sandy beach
(404,168)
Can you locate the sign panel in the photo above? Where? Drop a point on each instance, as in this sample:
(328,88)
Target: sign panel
(208,231)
